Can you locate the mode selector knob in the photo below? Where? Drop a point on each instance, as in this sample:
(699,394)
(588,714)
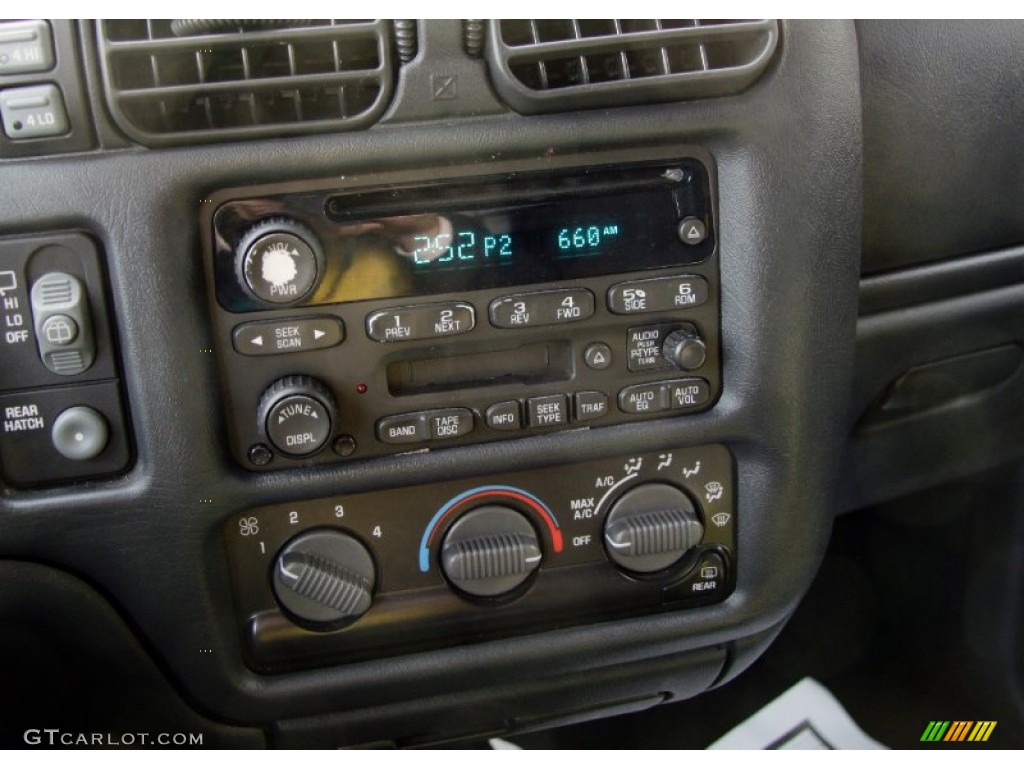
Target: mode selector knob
(685,349)
(324,578)
(297,414)
(490,551)
(651,527)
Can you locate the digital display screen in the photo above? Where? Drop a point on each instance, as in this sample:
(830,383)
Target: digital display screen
(462,236)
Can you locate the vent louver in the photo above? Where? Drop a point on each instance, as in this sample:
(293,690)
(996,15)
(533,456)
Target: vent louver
(312,77)
(558,65)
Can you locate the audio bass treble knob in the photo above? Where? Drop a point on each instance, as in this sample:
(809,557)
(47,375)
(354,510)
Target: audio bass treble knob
(278,262)
(324,579)
(651,527)
(685,349)
(297,414)
(490,551)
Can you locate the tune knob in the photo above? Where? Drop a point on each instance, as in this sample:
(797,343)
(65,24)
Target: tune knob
(297,415)
(324,579)
(685,349)
(278,261)
(651,527)
(490,551)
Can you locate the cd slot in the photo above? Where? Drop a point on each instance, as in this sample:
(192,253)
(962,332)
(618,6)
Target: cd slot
(536,363)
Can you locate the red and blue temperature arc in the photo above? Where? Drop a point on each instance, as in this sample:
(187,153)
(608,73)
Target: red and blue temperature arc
(489,492)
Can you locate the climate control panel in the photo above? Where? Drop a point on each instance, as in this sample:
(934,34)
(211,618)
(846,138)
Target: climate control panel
(381,573)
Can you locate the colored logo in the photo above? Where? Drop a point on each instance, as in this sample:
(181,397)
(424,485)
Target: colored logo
(958,730)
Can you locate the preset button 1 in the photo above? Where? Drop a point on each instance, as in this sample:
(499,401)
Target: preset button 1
(429,321)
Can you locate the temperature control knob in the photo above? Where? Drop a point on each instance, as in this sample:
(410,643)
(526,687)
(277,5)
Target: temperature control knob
(651,527)
(490,551)
(324,579)
(297,415)
(685,349)
(278,261)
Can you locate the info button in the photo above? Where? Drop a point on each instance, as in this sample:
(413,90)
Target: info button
(278,337)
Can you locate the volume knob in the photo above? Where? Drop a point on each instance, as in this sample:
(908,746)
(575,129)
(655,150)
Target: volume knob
(297,414)
(278,261)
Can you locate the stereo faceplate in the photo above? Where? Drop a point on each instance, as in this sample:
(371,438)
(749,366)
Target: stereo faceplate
(458,342)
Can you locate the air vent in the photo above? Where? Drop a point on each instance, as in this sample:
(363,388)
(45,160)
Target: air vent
(210,84)
(558,65)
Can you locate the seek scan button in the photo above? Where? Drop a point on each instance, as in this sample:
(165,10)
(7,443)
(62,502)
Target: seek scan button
(297,334)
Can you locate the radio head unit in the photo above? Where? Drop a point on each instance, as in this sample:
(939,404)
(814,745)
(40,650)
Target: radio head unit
(414,312)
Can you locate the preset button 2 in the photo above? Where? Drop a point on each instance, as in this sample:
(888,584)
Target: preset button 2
(430,321)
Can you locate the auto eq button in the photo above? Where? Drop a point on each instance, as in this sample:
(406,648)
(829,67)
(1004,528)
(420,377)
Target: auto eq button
(278,337)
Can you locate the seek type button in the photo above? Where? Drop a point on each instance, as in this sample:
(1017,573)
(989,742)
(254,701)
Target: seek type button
(450,422)
(276,337)
(549,411)
(659,294)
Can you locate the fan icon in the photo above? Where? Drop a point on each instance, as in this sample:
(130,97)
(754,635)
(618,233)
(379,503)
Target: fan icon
(248,526)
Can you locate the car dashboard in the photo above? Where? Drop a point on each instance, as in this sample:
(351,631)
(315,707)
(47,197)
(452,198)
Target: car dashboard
(407,383)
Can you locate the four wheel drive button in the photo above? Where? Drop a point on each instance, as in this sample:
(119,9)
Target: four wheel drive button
(298,334)
(403,428)
(548,411)
(430,321)
(450,422)
(25,46)
(33,112)
(527,310)
(659,294)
